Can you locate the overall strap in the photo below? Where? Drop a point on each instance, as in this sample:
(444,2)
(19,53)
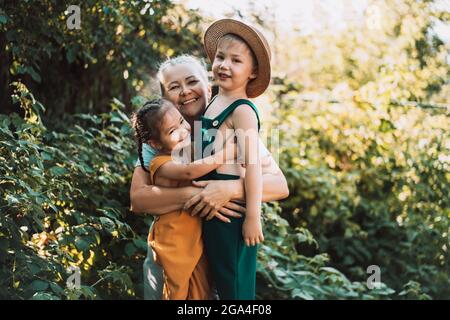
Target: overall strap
(221,117)
(209,103)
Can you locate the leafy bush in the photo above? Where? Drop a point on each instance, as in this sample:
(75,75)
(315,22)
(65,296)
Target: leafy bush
(371,184)
(65,203)
(368,180)
(284,273)
(113,54)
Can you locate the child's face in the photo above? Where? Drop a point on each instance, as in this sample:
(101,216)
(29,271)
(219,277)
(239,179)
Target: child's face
(174,130)
(187,88)
(233,65)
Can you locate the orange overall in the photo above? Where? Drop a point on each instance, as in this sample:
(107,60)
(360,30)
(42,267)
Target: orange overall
(176,239)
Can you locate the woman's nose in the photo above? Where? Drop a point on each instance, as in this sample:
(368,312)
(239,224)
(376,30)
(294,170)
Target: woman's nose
(185,90)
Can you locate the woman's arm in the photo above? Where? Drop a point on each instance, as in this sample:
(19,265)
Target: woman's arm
(274,188)
(219,192)
(147,198)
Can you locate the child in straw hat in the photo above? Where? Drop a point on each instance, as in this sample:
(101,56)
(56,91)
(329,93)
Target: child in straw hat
(240,59)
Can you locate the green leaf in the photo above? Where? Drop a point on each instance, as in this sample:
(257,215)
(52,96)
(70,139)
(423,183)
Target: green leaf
(81,244)
(12,199)
(116,104)
(4,244)
(298,293)
(130,249)
(44,296)
(34,268)
(36,76)
(107,223)
(58,171)
(140,243)
(39,285)
(138,101)
(56,288)
(386,125)
(71,55)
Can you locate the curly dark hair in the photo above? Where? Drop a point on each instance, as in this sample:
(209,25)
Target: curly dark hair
(146,123)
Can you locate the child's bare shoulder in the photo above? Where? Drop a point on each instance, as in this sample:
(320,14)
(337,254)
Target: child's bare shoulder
(244,115)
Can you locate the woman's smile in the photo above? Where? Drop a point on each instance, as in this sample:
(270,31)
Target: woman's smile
(186,102)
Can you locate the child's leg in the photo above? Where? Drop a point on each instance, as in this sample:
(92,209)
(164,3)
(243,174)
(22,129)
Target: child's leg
(200,284)
(176,286)
(176,240)
(233,264)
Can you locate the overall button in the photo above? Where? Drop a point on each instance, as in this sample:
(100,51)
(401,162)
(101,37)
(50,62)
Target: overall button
(215,123)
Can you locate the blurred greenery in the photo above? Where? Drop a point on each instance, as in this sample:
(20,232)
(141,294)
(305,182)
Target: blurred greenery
(112,55)
(363,116)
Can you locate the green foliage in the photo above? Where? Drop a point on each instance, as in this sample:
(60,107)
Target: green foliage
(113,54)
(364,149)
(363,117)
(388,53)
(284,273)
(371,184)
(65,203)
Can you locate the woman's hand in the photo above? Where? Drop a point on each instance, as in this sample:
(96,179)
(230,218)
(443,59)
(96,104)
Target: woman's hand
(214,200)
(252,230)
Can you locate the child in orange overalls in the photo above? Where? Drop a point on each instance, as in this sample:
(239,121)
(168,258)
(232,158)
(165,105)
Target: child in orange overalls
(176,237)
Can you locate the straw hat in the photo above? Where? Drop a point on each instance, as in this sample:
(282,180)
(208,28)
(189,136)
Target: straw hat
(254,39)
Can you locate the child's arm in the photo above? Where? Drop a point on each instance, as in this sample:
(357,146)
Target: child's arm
(198,168)
(245,124)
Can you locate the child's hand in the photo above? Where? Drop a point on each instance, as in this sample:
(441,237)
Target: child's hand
(252,231)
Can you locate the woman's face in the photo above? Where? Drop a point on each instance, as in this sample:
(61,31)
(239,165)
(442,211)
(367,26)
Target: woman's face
(186,87)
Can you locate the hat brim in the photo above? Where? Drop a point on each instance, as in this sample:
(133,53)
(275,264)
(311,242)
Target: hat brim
(254,39)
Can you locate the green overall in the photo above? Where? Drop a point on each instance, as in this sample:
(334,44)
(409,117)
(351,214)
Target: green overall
(233,264)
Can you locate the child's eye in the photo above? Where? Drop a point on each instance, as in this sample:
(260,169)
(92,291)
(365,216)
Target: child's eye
(173,88)
(193,81)
(237,61)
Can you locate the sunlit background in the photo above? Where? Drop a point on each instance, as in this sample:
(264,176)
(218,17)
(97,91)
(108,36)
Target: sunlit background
(306,16)
(359,103)
(284,22)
